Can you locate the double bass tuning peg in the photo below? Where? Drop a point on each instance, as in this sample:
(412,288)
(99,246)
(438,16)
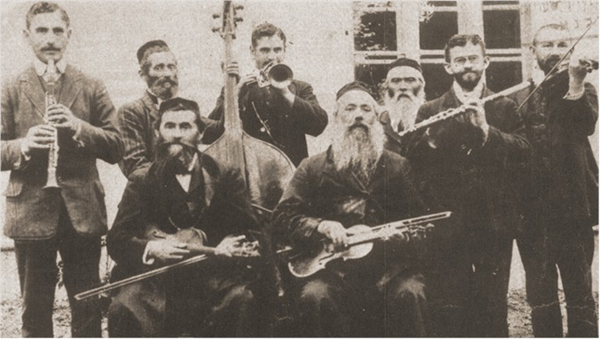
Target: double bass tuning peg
(238,7)
(239,19)
(216,16)
(216,29)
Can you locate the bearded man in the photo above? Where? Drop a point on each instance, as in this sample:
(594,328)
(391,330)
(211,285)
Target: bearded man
(468,166)
(158,69)
(356,181)
(183,190)
(402,93)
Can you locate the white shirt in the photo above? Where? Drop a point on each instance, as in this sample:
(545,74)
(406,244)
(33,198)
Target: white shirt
(42,69)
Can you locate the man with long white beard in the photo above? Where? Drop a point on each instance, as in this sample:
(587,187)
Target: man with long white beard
(402,93)
(468,165)
(356,181)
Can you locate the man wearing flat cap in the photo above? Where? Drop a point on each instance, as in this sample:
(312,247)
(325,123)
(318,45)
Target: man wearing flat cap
(402,93)
(356,181)
(183,190)
(158,68)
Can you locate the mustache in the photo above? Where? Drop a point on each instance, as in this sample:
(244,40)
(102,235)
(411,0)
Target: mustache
(161,81)
(358,125)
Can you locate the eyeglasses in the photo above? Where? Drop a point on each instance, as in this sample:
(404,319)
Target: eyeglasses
(473,59)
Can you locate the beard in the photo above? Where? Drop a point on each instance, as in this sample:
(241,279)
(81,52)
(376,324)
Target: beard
(174,156)
(403,107)
(358,147)
(468,79)
(547,64)
(164,87)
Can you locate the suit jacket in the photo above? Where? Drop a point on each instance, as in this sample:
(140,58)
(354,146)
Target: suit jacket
(137,121)
(393,141)
(287,125)
(474,181)
(318,191)
(31,212)
(217,201)
(564,172)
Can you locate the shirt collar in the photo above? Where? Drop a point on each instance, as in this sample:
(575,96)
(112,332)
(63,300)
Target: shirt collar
(463,96)
(156,99)
(40,67)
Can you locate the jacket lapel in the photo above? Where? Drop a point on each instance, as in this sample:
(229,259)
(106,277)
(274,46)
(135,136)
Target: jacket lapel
(385,120)
(150,106)
(70,88)
(34,91)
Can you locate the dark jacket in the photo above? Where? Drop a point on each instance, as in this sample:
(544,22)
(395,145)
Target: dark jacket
(32,212)
(476,182)
(318,191)
(563,172)
(137,121)
(216,203)
(287,125)
(393,141)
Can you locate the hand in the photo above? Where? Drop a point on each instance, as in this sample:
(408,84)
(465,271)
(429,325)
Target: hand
(392,234)
(61,117)
(475,116)
(231,247)
(166,250)
(578,69)
(334,231)
(38,137)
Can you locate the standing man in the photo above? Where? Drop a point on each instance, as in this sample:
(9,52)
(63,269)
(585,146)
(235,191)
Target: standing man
(72,218)
(280,115)
(356,181)
(158,68)
(561,196)
(183,190)
(468,164)
(402,93)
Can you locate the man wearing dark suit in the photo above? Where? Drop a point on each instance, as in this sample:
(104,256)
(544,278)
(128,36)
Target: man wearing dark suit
(402,93)
(158,69)
(468,164)
(561,196)
(183,190)
(72,218)
(281,114)
(356,181)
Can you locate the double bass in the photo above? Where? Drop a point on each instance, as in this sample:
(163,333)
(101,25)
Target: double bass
(265,168)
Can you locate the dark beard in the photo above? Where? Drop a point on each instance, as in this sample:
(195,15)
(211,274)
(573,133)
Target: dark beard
(549,63)
(157,86)
(468,84)
(174,157)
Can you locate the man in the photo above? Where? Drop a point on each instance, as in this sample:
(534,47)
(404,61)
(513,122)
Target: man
(355,182)
(183,190)
(282,115)
(468,164)
(402,93)
(158,68)
(561,196)
(72,218)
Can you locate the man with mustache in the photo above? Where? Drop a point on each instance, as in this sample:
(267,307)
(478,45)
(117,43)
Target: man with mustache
(159,69)
(69,219)
(561,191)
(356,181)
(183,190)
(468,165)
(280,116)
(402,93)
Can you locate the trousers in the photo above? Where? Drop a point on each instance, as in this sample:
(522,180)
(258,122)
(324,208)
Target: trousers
(546,248)
(38,276)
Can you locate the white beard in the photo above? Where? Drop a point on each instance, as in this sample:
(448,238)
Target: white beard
(403,110)
(358,149)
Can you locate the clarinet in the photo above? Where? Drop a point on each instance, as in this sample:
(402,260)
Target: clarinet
(53,151)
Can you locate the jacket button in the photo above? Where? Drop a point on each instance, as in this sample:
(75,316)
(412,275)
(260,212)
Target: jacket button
(463,146)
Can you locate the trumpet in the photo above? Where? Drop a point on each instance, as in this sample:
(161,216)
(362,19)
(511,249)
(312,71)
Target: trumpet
(276,75)
(53,151)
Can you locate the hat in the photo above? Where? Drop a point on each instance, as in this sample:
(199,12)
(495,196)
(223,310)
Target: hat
(406,62)
(353,86)
(145,47)
(178,104)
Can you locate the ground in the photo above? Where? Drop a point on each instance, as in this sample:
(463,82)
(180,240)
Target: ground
(518,310)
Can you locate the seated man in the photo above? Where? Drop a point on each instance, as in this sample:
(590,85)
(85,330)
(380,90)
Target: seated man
(183,190)
(355,182)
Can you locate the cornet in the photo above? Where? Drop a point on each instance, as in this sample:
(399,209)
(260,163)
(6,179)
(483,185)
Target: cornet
(276,75)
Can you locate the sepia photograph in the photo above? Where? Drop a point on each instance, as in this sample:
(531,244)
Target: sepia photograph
(299,168)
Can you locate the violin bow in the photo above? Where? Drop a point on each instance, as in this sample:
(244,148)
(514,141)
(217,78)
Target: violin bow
(551,73)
